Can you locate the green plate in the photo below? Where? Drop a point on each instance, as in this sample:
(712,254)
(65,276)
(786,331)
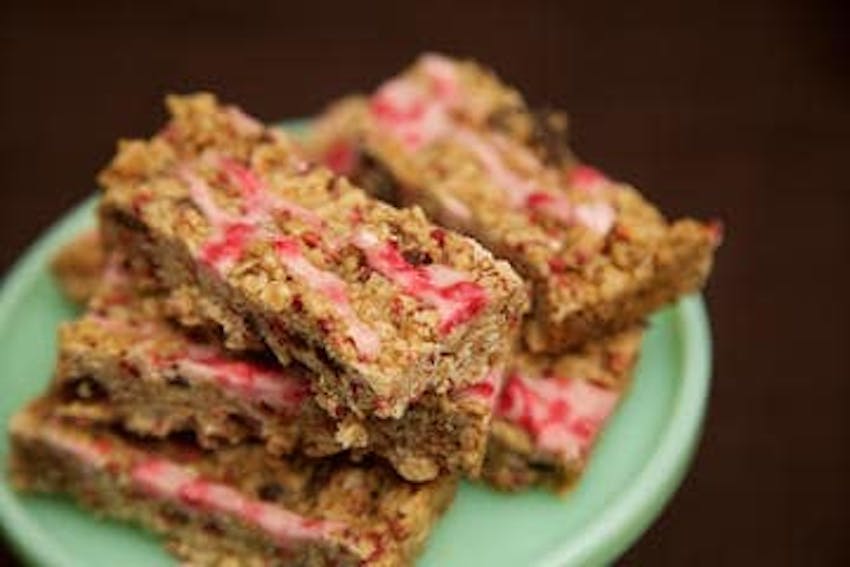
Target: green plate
(637,465)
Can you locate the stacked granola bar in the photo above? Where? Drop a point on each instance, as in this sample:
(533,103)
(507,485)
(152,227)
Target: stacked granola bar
(289,354)
(449,136)
(272,367)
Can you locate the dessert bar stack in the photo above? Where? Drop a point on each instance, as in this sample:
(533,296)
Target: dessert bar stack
(290,353)
(234,506)
(449,136)
(273,367)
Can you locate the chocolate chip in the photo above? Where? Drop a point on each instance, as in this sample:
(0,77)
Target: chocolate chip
(320,476)
(544,467)
(178,381)
(128,221)
(544,130)
(549,137)
(213,528)
(416,257)
(85,388)
(175,516)
(183,437)
(328,361)
(378,180)
(270,491)
(247,424)
(503,118)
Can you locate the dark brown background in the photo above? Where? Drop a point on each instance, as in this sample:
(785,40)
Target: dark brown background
(740,112)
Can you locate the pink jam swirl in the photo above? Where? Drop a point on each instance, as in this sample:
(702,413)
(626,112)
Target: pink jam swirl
(341,157)
(207,363)
(456,298)
(417,114)
(486,391)
(562,415)
(588,179)
(231,234)
(412,116)
(168,480)
(333,287)
(278,389)
(258,203)
(96,453)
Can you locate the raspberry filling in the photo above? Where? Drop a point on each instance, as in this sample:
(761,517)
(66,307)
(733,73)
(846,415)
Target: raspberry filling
(417,114)
(413,118)
(258,203)
(96,453)
(449,291)
(333,287)
(231,235)
(279,390)
(206,363)
(226,248)
(562,415)
(486,390)
(168,480)
(341,157)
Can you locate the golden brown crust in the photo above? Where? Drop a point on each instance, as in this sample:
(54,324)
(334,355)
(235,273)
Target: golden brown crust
(598,257)
(361,514)
(151,210)
(124,359)
(661,271)
(439,434)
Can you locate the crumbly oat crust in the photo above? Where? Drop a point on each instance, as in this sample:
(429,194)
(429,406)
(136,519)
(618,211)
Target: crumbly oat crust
(381,305)
(234,506)
(513,461)
(448,136)
(122,362)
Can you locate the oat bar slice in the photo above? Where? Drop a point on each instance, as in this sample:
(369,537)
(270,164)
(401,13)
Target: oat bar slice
(552,409)
(449,136)
(235,506)
(122,362)
(381,304)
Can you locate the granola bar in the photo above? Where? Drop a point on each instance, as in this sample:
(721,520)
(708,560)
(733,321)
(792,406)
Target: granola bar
(235,506)
(449,136)
(122,362)
(379,303)
(552,409)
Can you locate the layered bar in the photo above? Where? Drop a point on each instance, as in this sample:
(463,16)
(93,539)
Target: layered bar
(592,379)
(448,136)
(235,506)
(79,267)
(122,362)
(379,303)
(552,409)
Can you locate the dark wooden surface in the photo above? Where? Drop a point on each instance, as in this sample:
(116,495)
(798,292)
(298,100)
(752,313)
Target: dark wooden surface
(741,112)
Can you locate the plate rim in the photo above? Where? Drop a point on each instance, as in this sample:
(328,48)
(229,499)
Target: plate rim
(605,538)
(632,511)
(25,536)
